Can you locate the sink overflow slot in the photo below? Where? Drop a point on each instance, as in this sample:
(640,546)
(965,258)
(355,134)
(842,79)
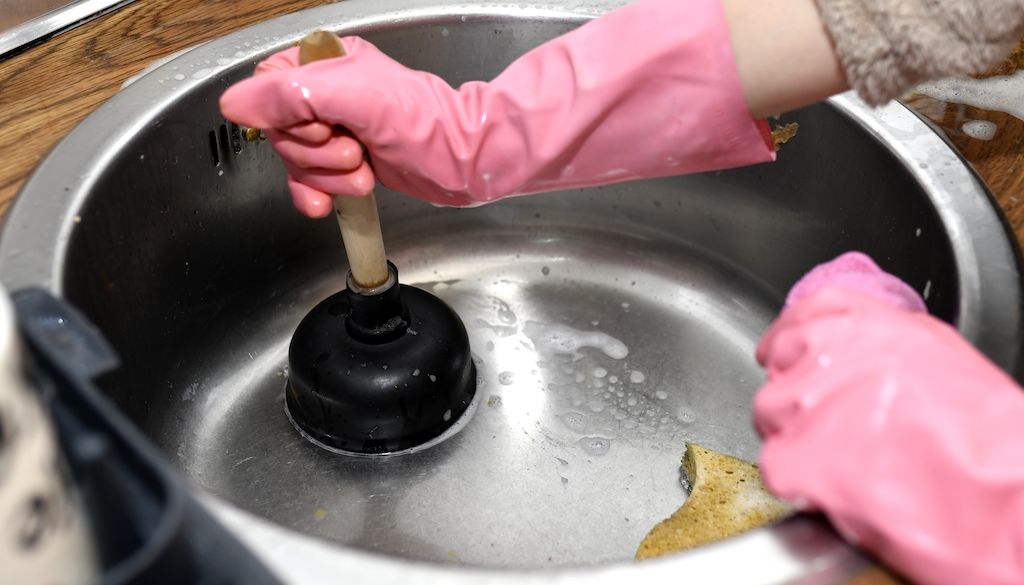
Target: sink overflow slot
(214,148)
(223,141)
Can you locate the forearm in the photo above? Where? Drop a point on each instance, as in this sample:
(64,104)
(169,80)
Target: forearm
(784,55)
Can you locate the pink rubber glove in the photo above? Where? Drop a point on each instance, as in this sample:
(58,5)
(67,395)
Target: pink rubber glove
(886,420)
(648,90)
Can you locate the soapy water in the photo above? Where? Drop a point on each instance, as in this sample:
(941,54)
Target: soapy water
(575,421)
(596,446)
(980,129)
(598,396)
(626,410)
(563,339)
(1000,94)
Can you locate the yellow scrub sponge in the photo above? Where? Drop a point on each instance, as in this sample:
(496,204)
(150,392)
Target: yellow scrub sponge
(727,498)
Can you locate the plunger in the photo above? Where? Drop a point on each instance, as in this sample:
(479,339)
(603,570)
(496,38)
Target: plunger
(379,367)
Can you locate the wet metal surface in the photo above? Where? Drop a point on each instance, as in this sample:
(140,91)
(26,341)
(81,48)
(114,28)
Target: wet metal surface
(598,357)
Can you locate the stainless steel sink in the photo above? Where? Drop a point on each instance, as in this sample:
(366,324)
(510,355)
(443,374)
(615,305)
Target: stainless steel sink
(610,325)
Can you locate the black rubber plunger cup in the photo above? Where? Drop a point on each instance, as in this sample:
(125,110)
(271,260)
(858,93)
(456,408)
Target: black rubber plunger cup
(379,371)
(378,367)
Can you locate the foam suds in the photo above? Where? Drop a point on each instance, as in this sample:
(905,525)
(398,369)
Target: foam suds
(1001,94)
(980,129)
(565,339)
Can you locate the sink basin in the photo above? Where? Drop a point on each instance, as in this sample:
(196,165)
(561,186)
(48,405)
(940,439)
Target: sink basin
(609,326)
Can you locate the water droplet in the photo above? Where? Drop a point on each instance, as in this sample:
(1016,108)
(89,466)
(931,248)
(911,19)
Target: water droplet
(661,394)
(980,129)
(416,372)
(545,270)
(600,372)
(595,445)
(506,378)
(447,415)
(505,313)
(575,421)
(636,377)
(685,415)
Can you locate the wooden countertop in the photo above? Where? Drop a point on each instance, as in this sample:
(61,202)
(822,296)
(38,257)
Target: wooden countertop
(46,90)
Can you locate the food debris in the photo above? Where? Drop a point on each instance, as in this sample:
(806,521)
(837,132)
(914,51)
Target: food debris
(785,133)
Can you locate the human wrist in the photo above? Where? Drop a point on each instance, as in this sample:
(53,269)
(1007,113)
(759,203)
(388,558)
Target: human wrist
(784,55)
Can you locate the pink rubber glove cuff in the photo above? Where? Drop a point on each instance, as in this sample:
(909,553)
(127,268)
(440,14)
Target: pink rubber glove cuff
(648,90)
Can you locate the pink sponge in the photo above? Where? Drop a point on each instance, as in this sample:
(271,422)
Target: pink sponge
(858,272)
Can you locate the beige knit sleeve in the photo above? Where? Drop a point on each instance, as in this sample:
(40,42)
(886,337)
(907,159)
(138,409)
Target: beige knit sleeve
(887,47)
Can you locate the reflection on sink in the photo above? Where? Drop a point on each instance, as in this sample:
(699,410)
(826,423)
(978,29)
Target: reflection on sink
(609,325)
(14,13)
(23,23)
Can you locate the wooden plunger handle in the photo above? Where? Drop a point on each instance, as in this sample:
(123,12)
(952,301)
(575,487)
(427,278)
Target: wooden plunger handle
(357,216)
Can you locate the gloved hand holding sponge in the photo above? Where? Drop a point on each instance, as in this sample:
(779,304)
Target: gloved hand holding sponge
(886,420)
(874,413)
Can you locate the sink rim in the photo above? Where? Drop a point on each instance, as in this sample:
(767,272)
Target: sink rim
(38,227)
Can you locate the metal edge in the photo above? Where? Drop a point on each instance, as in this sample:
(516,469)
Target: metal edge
(53,22)
(961,200)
